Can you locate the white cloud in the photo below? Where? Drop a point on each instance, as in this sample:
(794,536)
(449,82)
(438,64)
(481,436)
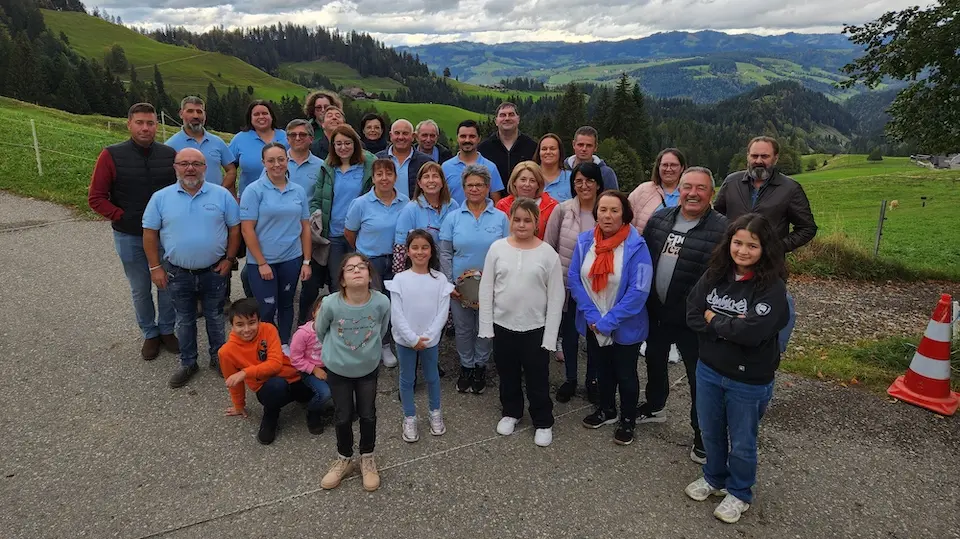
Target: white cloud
(412,22)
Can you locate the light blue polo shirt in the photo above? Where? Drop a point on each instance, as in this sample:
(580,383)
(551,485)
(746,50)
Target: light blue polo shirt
(419,214)
(247,148)
(278,215)
(402,185)
(346,187)
(559,189)
(375,223)
(305,174)
(671,199)
(472,237)
(453,170)
(193,228)
(213,148)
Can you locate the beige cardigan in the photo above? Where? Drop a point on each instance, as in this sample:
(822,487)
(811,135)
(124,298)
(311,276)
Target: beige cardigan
(645,200)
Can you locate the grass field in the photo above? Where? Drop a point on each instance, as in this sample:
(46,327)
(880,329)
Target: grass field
(185,71)
(474,90)
(446,116)
(343,75)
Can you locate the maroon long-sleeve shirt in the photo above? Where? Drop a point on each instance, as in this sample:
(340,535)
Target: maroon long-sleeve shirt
(101,182)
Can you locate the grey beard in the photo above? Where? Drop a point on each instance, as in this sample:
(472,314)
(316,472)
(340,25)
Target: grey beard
(191,184)
(195,127)
(760,173)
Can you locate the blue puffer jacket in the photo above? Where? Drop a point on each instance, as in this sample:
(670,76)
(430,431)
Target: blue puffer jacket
(627,322)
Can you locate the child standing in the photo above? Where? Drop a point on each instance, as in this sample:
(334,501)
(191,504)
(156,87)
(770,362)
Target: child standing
(737,308)
(252,355)
(305,356)
(420,301)
(521,302)
(351,324)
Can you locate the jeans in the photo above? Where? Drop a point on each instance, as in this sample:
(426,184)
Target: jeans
(310,290)
(245,279)
(276,295)
(521,358)
(338,249)
(570,344)
(321,392)
(358,394)
(383,266)
(429,359)
(658,349)
(730,413)
(152,322)
(277,392)
(185,288)
(473,351)
(784,336)
(617,368)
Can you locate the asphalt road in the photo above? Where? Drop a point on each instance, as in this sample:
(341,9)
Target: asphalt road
(94,443)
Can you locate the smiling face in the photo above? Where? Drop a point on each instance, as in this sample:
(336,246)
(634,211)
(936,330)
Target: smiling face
(522,225)
(401,136)
(275,163)
(745,249)
(383,179)
(332,119)
(261,118)
(300,140)
(190,166)
(609,215)
(526,184)
(669,171)
(430,182)
(586,189)
(427,138)
(696,191)
(343,146)
(476,189)
(549,152)
(245,327)
(319,107)
(584,147)
(467,138)
(419,252)
(143,127)
(372,130)
(507,119)
(356,273)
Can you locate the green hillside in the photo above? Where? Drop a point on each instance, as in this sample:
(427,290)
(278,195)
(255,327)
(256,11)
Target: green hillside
(341,74)
(185,71)
(475,90)
(446,116)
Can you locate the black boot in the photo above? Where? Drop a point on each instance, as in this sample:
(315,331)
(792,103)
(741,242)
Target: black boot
(315,422)
(268,428)
(479,379)
(465,382)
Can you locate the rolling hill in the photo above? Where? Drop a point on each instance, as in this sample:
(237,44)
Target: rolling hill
(185,70)
(446,116)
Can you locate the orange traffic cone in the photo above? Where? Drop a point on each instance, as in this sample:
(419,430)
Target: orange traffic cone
(927,382)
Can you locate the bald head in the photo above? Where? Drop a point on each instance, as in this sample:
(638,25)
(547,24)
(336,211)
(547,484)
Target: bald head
(401,136)
(190,166)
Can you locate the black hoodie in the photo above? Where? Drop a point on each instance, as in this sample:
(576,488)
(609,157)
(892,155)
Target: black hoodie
(740,342)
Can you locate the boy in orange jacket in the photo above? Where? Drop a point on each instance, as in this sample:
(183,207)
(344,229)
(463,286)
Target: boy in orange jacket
(252,355)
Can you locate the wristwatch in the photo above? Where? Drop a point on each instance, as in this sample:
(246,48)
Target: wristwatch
(306,261)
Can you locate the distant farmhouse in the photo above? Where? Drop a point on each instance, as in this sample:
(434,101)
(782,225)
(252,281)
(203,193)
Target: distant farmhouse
(951,161)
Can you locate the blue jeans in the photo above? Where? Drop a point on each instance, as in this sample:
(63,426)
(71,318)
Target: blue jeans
(784,336)
(152,322)
(429,359)
(321,392)
(276,295)
(245,279)
(310,290)
(338,249)
(730,413)
(473,351)
(570,344)
(185,288)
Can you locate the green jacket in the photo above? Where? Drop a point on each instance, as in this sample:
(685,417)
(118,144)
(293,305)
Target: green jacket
(323,194)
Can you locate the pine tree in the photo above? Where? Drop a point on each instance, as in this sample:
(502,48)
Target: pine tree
(89,86)
(214,108)
(162,99)
(601,110)
(23,72)
(6,48)
(571,114)
(69,96)
(136,91)
(644,145)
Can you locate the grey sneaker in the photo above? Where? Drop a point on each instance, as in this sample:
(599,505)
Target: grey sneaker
(730,509)
(700,490)
(437,428)
(646,415)
(410,433)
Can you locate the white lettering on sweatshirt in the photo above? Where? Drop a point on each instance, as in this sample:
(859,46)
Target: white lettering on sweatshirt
(726,304)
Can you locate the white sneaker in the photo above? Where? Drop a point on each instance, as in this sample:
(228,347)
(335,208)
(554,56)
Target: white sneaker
(506,425)
(730,509)
(543,437)
(286,349)
(437,428)
(674,355)
(410,433)
(386,355)
(643,349)
(700,490)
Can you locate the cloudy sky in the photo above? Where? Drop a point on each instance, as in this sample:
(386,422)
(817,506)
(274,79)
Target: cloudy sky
(412,22)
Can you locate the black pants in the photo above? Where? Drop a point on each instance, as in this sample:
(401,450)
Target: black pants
(520,357)
(362,394)
(309,290)
(658,349)
(276,393)
(617,369)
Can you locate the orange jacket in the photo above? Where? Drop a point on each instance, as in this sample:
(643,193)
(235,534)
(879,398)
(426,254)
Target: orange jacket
(547,204)
(262,359)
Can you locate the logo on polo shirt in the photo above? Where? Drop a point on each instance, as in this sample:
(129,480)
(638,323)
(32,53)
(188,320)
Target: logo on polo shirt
(762,309)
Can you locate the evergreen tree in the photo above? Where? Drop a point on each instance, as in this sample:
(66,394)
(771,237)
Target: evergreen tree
(162,99)
(214,108)
(89,85)
(601,110)
(69,96)
(6,49)
(136,90)
(116,59)
(571,114)
(23,72)
(644,146)
(875,155)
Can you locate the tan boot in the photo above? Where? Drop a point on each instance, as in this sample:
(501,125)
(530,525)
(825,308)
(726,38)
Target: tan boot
(371,477)
(340,470)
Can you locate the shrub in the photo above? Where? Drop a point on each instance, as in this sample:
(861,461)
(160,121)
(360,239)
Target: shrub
(875,155)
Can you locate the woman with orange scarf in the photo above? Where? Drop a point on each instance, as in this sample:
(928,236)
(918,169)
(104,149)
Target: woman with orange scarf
(609,278)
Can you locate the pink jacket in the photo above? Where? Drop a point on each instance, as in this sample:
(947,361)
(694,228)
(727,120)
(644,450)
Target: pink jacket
(305,349)
(645,200)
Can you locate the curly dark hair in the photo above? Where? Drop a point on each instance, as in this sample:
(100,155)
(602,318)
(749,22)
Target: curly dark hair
(772,264)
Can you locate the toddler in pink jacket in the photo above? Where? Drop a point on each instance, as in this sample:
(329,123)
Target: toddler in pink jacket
(305,356)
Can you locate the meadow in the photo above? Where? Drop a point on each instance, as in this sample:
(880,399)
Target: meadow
(342,75)
(446,116)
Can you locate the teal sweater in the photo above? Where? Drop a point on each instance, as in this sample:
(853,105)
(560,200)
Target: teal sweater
(351,334)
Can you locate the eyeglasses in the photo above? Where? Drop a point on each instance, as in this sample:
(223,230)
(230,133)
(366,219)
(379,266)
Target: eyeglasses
(321,107)
(275,160)
(297,136)
(669,166)
(472,186)
(582,182)
(188,164)
(343,144)
(350,268)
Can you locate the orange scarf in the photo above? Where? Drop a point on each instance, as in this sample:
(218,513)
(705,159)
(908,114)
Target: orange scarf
(603,265)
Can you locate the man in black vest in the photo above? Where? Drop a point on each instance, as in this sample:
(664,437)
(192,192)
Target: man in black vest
(508,146)
(681,240)
(125,177)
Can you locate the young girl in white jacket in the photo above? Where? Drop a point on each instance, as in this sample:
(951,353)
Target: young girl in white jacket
(419,303)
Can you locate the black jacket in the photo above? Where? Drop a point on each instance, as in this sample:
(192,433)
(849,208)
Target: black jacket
(140,172)
(743,349)
(522,150)
(782,201)
(375,146)
(417,160)
(694,257)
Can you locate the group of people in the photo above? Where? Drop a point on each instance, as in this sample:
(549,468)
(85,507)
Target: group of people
(413,238)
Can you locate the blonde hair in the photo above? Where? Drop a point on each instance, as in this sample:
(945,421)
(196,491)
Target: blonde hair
(521,167)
